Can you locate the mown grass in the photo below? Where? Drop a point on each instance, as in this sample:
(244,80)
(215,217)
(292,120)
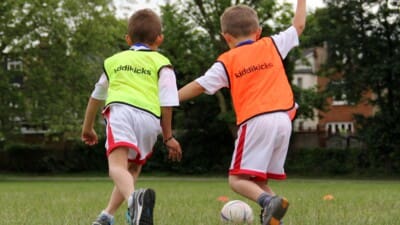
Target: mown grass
(193,201)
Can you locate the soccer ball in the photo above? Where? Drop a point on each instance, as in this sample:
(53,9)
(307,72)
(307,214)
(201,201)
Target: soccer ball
(237,212)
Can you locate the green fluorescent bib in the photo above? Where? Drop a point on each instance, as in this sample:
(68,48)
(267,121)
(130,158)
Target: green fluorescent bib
(133,79)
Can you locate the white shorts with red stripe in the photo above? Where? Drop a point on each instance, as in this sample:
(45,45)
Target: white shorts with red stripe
(261,147)
(132,128)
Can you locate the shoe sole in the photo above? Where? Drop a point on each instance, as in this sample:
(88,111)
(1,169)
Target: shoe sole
(148,202)
(143,202)
(277,212)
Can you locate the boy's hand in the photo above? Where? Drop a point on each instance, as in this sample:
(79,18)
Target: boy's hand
(89,137)
(174,149)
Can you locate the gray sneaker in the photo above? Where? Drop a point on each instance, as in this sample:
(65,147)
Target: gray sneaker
(273,212)
(141,210)
(261,217)
(103,220)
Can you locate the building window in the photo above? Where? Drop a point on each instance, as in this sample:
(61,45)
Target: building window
(301,126)
(339,128)
(329,129)
(14,65)
(339,99)
(299,82)
(336,87)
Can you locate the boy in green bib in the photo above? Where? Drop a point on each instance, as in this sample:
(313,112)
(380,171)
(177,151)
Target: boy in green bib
(139,89)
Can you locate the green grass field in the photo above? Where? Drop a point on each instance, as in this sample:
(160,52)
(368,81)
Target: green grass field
(193,201)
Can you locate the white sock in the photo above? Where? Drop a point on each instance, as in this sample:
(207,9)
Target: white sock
(130,200)
(109,216)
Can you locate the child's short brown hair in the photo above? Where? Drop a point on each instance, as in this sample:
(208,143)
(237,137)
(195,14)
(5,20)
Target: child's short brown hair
(239,20)
(144,26)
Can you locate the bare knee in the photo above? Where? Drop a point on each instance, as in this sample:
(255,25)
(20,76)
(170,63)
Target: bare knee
(231,180)
(235,182)
(112,171)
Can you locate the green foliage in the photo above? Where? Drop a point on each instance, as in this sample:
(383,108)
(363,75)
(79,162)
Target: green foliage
(309,100)
(35,158)
(23,157)
(62,45)
(207,151)
(340,162)
(318,161)
(384,151)
(363,40)
(313,33)
(187,46)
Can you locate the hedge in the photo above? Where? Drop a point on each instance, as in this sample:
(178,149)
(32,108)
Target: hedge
(201,158)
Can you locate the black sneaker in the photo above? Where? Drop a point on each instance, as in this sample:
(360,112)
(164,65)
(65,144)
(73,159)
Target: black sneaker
(141,210)
(273,212)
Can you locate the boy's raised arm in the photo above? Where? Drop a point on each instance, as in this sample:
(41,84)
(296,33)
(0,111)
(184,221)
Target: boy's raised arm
(299,20)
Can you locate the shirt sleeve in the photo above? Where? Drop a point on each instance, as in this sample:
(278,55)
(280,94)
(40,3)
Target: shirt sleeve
(286,40)
(214,79)
(168,91)
(100,88)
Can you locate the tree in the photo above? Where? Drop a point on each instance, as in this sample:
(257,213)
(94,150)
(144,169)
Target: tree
(363,40)
(61,45)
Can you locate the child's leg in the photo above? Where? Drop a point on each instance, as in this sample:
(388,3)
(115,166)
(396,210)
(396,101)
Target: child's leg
(134,170)
(264,185)
(117,198)
(259,192)
(273,207)
(242,185)
(119,173)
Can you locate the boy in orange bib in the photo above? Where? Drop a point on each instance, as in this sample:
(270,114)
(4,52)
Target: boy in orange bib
(262,97)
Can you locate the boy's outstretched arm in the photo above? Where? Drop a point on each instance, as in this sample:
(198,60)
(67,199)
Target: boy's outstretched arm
(299,20)
(190,90)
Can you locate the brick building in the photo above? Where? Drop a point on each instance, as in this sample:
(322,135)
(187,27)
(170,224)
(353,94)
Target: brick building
(337,121)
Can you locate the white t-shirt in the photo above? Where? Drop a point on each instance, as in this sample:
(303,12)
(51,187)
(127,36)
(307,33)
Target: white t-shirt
(168,92)
(216,78)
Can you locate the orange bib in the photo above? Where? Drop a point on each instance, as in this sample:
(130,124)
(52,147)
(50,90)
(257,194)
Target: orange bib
(257,79)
